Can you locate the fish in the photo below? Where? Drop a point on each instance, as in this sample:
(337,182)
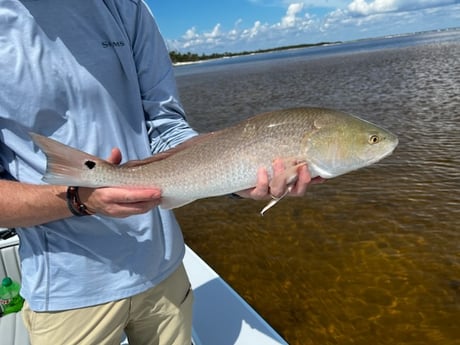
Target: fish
(329,142)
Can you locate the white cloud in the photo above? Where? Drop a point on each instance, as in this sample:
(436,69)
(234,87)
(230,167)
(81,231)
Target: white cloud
(365,8)
(323,4)
(392,17)
(348,19)
(256,30)
(190,34)
(377,6)
(215,33)
(290,19)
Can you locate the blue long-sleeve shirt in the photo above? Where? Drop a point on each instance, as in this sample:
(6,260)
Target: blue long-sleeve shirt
(93,75)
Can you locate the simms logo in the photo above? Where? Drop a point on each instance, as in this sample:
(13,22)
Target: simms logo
(113,44)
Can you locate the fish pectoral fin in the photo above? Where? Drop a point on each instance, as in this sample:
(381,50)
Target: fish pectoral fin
(290,174)
(288,178)
(274,201)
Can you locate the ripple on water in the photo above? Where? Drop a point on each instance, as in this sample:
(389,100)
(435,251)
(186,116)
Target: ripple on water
(369,257)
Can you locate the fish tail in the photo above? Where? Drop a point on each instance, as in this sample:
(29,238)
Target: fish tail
(68,166)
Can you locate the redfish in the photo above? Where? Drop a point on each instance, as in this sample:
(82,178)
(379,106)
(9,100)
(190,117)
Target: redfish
(329,142)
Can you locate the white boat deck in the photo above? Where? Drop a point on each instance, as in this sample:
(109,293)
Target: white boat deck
(221,316)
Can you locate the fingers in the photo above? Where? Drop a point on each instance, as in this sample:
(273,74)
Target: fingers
(120,202)
(289,178)
(303,180)
(115,156)
(261,190)
(279,182)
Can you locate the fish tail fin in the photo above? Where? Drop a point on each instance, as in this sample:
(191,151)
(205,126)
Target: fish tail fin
(68,166)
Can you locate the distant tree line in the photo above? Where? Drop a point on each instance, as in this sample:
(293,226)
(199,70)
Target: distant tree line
(177,57)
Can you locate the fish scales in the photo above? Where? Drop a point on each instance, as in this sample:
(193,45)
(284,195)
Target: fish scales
(330,142)
(232,155)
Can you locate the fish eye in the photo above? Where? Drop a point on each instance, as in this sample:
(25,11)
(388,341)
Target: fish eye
(374,139)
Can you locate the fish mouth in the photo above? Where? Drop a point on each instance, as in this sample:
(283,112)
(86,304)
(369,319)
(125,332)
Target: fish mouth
(395,145)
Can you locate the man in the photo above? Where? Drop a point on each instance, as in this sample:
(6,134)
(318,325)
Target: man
(94,75)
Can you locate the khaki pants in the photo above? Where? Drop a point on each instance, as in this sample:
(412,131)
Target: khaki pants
(161,315)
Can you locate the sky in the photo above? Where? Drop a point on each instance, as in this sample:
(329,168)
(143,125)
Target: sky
(217,26)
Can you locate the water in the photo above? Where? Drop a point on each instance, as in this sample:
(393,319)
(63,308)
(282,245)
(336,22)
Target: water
(368,257)
(320,51)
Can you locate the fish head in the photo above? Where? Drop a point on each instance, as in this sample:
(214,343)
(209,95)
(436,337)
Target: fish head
(340,144)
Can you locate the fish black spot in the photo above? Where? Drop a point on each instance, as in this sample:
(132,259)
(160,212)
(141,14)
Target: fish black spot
(90,164)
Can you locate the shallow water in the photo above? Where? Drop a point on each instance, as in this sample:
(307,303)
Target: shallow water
(369,257)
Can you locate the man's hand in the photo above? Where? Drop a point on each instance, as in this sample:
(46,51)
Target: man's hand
(119,202)
(289,178)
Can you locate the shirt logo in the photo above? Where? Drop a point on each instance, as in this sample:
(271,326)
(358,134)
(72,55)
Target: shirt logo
(112,44)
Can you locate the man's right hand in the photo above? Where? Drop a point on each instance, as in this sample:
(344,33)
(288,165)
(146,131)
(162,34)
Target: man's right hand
(119,202)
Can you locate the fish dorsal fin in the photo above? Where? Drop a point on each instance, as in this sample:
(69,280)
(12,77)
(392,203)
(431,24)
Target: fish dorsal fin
(170,152)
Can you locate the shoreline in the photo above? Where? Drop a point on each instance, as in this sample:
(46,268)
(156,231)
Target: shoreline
(182,59)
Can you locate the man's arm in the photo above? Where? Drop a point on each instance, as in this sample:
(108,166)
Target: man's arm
(24,205)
